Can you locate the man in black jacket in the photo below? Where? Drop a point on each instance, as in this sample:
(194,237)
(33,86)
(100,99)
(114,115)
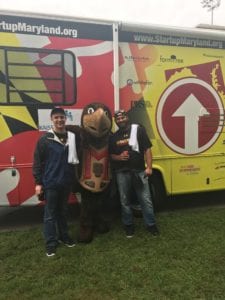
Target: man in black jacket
(53,171)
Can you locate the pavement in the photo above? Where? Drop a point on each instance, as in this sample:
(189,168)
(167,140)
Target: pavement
(16,218)
(22,217)
(13,218)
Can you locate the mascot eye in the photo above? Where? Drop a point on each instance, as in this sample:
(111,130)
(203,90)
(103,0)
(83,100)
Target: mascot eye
(106,113)
(90,110)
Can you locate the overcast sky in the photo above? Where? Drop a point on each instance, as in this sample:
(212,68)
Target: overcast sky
(182,13)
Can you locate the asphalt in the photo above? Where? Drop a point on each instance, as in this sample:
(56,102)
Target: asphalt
(12,218)
(16,218)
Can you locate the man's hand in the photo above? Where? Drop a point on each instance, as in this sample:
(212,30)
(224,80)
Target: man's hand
(148,171)
(39,192)
(38,189)
(122,156)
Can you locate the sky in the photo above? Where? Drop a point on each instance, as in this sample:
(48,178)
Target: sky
(178,13)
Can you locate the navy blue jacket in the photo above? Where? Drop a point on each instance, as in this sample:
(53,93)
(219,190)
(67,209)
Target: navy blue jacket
(50,167)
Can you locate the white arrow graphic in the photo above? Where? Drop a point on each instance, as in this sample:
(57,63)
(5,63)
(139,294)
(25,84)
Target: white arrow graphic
(191,109)
(7,184)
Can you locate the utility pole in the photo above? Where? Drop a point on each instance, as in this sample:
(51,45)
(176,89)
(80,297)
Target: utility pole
(211,5)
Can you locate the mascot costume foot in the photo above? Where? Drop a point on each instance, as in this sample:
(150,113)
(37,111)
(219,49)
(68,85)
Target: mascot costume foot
(94,170)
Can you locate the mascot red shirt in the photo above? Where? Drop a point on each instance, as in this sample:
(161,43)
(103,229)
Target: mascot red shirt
(95,175)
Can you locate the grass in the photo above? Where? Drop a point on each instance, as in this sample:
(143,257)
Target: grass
(185,262)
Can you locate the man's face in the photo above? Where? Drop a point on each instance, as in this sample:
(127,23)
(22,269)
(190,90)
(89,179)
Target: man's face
(59,121)
(121,120)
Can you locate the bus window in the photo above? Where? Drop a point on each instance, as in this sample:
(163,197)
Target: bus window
(31,76)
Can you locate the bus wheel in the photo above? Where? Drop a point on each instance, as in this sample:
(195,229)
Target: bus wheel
(158,191)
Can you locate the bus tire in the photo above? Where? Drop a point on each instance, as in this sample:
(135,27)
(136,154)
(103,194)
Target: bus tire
(158,191)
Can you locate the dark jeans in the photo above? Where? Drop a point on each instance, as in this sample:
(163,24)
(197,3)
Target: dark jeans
(55,215)
(139,182)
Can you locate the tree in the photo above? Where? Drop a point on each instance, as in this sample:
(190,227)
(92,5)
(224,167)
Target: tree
(211,5)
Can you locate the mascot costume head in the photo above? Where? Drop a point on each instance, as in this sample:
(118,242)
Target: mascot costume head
(93,170)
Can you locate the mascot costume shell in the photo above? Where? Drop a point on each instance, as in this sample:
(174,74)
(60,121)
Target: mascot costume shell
(93,170)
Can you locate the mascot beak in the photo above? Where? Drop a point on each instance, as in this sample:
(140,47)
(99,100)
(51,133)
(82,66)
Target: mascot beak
(98,123)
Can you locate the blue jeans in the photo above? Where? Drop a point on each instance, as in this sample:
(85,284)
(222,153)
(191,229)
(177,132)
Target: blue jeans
(125,182)
(55,216)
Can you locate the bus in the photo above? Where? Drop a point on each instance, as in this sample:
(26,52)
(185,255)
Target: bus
(171,80)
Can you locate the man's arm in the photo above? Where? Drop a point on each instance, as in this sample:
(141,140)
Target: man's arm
(38,165)
(113,151)
(122,156)
(148,161)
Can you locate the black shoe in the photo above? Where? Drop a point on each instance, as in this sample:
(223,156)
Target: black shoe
(129,229)
(50,251)
(67,242)
(153,230)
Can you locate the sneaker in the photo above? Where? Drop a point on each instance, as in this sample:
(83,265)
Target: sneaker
(129,229)
(68,242)
(153,230)
(50,251)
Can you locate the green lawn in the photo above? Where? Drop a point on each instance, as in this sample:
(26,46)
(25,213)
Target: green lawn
(186,262)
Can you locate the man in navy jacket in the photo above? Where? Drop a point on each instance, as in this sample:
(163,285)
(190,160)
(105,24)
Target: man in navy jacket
(54,175)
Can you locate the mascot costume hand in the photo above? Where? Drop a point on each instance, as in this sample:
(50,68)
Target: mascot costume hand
(93,173)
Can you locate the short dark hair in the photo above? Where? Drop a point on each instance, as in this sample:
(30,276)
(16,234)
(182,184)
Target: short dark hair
(57,110)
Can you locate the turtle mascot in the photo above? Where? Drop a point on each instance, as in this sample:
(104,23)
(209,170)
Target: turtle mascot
(93,170)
